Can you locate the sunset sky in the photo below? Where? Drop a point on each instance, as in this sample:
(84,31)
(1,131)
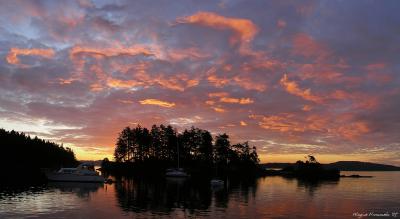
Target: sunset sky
(291,77)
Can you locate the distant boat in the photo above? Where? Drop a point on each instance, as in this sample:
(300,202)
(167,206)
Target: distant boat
(176,172)
(217,182)
(85,172)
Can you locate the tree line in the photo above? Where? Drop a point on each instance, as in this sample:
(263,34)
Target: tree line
(23,157)
(21,150)
(194,147)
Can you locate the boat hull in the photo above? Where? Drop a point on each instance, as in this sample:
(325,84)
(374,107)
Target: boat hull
(217,182)
(74,178)
(182,175)
(176,174)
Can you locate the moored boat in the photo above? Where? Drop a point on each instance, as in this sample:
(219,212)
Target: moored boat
(217,182)
(176,172)
(85,172)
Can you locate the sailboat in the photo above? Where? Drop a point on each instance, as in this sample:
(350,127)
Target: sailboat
(215,181)
(176,172)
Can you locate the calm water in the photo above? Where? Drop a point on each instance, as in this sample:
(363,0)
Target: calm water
(270,197)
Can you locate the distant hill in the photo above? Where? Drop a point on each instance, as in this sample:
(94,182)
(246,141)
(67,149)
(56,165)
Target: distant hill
(344,166)
(276,165)
(95,162)
(361,166)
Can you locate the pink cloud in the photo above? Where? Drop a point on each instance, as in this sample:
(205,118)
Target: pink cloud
(13,54)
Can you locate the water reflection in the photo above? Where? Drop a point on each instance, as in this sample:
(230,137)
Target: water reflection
(9,192)
(82,190)
(311,186)
(162,196)
(269,197)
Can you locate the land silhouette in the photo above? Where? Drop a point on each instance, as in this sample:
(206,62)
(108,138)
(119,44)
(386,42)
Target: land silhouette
(149,152)
(310,169)
(145,151)
(342,166)
(24,157)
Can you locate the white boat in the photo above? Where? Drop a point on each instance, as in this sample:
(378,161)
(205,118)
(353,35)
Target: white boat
(85,172)
(176,172)
(217,182)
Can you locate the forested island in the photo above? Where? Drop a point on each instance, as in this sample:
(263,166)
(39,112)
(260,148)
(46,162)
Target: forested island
(310,169)
(151,151)
(342,166)
(23,158)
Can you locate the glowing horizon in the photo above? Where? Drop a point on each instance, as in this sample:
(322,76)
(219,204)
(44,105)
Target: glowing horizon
(313,77)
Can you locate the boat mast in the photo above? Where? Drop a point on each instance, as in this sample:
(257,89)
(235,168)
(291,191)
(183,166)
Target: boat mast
(177,146)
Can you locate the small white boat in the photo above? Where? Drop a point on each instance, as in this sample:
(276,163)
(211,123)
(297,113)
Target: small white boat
(217,182)
(85,172)
(176,172)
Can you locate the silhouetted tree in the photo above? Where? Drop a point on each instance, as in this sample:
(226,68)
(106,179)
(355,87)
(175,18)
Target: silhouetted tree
(222,149)
(196,148)
(156,142)
(122,149)
(23,154)
(206,147)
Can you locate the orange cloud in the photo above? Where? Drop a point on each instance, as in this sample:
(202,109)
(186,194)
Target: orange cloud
(224,98)
(241,81)
(96,87)
(293,88)
(332,126)
(12,56)
(125,101)
(359,100)
(109,52)
(322,72)
(243,123)
(341,95)
(377,74)
(65,81)
(227,68)
(217,81)
(138,71)
(306,108)
(219,109)
(157,102)
(290,123)
(191,53)
(281,23)
(236,100)
(178,82)
(244,29)
(218,94)
(376,66)
(282,123)
(210,102)
(249,84)
(260,63)
(100,73)
(116,83)
(353,130)
(305,45)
